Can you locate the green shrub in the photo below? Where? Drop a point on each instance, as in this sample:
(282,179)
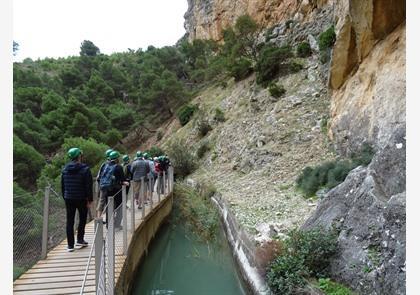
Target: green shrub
(332,288)
(240,69)
(28,163)
(219,116)
(327,39)
(202,149)
(315,247)
(364,157)
(324,125)
(328,174)
(195,208)
(269,60)
(203,127)
(293,67)
(276,90)
(185,113)
(303,49)
(159,135)
(155,151)
(307,253)
(285,274)
(182,159)
(338,173)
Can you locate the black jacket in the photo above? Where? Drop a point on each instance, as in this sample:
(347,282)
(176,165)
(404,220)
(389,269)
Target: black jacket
(128,175)
(76,182)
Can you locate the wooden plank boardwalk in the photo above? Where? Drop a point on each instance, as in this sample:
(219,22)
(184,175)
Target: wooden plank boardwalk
(62,272)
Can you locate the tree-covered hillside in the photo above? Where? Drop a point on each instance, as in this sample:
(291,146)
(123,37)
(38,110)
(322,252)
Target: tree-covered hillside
(94,97)
(95,100)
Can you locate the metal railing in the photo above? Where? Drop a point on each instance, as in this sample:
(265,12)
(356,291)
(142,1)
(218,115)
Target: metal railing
(113,241)
(39,224)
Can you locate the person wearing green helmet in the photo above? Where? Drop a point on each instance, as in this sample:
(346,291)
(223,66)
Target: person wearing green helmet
(151,177)
(111,182)
(139,170)
(76,187)
(127,171)
(101,199)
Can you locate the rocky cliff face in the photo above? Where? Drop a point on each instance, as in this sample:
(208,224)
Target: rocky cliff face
(255,169)
(206,19)
(367,81)
(367,73)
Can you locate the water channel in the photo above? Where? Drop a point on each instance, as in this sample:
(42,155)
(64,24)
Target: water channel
(178,263)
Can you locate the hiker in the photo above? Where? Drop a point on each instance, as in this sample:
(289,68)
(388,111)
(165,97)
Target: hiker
(101,198)
(76,187)
(159,173)
(139,169)
(127,171)
(152,174)
(112,180)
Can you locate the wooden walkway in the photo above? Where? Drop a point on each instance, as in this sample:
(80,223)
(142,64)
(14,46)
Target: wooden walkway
(62,272)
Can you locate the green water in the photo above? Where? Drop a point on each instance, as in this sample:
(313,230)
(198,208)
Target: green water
(177,263)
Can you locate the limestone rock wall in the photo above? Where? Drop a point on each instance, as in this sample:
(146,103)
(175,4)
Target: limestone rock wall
(367,72)
(206,19)
(368,210)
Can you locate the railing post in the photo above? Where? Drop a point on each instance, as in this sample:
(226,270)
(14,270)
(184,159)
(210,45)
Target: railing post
(124,208)
(142,198)
(171,179)
(98,247)
(164,183)
(45,223)
(158,186)
(111,249)
(151,178)
(133,211)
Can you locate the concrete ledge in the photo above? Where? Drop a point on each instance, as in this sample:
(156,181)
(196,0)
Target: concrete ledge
(140,242)
(243,249)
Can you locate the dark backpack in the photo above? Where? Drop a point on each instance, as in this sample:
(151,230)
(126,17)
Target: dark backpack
(108,181)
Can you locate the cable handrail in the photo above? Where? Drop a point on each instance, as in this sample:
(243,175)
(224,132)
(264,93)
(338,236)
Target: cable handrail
(115,244)
(89,259)
(106,206)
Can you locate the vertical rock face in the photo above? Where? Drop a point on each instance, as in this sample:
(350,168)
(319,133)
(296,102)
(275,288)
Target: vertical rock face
(367,79)
(370,105)
(367,73)
(206,19)
(360,24)
(368,210)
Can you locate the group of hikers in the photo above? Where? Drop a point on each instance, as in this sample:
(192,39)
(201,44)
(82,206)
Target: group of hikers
(77,186)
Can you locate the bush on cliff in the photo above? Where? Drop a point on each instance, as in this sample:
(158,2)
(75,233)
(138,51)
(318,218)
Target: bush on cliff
(185,113)
(327,39)
(303,49)
(331,174)
(307,254)
(182,159)
(270,62)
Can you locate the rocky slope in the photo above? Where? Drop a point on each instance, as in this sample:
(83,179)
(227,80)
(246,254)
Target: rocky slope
(257,153)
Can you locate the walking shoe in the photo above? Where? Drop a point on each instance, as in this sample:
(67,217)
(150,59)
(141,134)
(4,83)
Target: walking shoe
(70,249)
(82,243)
